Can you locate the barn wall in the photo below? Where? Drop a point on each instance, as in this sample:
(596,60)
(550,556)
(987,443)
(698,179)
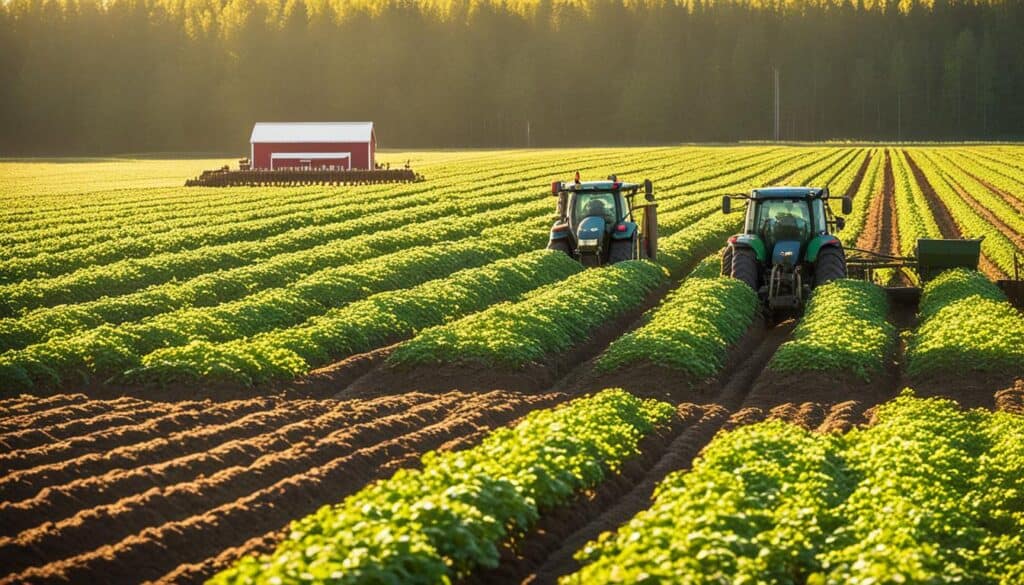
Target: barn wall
(261,151)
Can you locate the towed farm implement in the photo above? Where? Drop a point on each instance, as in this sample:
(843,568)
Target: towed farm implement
(245,176)
(787,248)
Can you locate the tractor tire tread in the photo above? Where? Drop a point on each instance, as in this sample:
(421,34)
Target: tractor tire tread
(830,265)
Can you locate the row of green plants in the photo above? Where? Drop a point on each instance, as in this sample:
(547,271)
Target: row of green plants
(844,330)
(914,218)
(995,245)
(67,358)
(870,187)
(968,176)
(368,324)
(545,322)
(438,523)
(692,329)
(121,279)
(927,494)
(229,285)
(965,325)
(187,212)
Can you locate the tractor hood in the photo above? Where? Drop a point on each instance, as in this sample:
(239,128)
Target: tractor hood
(590,234)
(786,252)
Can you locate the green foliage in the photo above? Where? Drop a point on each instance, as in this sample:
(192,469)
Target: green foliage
(690,331)
(710,267)
(546,321)
(432,524)
(966,325)
(359,326)
(928,494)
(843,330)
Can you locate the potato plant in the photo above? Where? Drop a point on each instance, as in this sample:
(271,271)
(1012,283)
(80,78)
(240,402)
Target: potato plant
(843,330)
(690,331)
(966,325)
(437,523)
(927,494)
(547,321)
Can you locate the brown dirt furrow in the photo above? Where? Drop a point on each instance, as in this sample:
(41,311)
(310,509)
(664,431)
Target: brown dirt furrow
(157,551)
(197,572)
(184,416)
(84,408)
(482,377)
(257,434)
(858,179)
(548,552)
(881,233)
(1011,399)
(27,483)
(947,225)
(843,416)
(29,405)
(1009,198)
(1009,232)
(135,412)
(162,505)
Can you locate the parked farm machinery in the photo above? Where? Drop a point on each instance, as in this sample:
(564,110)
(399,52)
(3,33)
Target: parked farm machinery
(788,248)
(247,176)
(600,222)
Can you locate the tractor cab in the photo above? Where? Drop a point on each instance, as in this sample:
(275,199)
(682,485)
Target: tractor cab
(787,246)
(600,222)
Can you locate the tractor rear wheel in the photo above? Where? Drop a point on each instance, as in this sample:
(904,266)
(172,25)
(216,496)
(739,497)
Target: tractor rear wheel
(561,246)
(621,250)
(744,267)
(727,261)
(830,265)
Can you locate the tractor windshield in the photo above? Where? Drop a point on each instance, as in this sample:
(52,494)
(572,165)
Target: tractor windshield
(595,204)
(783,219)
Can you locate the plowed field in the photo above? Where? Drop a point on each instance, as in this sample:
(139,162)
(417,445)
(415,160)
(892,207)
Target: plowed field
(185,371)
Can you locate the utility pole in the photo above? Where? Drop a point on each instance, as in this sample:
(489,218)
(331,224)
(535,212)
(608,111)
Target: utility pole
(899,116)
(528,134)
(775,75)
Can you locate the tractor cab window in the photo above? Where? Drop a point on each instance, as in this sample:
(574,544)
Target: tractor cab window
(783,219)
(595,204)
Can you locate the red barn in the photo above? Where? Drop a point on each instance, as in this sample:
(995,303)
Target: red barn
(310,145)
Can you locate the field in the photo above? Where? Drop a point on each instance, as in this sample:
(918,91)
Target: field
(186,371)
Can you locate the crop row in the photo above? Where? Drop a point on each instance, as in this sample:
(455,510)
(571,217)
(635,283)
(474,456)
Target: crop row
(775,503)
(966,325)
(691,330)
(996,246)
(360,326)
(990,189)
(870,187)
(435,524)
(137,240)
(161,214)
(913,215)
(549,320)
(844,330)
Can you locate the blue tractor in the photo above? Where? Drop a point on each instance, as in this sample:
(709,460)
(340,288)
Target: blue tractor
(600,222)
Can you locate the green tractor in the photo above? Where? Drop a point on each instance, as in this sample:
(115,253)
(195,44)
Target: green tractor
(787,247)
(600,222)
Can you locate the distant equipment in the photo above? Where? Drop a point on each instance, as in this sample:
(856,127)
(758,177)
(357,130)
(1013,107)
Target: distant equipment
(308,153)
(600,222)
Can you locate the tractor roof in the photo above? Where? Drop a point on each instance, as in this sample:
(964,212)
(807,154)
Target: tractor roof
(599,186)
(785,193)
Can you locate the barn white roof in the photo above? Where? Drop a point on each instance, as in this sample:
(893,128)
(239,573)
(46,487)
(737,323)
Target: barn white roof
(311,132)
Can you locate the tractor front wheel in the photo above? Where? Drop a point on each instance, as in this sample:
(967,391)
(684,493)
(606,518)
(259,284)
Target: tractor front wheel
(744,267)
(727,261)
(830,265)
(561,246)
(622,250)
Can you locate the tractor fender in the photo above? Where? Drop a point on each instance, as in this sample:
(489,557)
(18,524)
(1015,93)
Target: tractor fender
(819,242)
(560,231)
(753,242)
(627,234)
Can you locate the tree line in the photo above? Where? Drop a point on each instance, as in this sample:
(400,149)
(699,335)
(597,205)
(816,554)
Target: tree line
(121,76)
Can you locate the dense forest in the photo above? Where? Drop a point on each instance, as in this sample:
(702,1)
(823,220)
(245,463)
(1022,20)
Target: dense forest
(118,76)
